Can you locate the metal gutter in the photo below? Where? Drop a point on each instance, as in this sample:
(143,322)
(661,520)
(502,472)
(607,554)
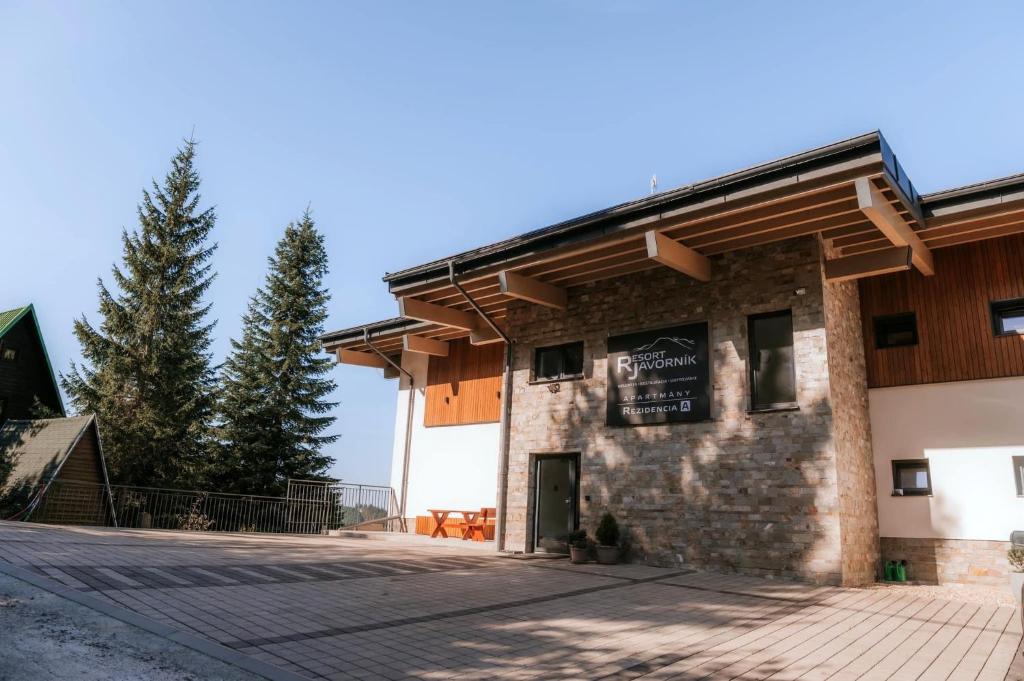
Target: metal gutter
(504,438)
(408,427)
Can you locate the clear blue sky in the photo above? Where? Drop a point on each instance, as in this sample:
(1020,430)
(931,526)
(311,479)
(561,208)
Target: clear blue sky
(417,129)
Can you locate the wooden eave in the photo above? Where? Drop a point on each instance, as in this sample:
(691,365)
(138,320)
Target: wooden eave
(809,194)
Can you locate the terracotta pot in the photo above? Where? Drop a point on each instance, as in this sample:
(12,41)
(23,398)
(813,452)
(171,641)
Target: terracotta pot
(578,555)
(607,555)
(1017,586)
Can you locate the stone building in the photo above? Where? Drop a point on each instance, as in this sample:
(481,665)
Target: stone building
(802,370)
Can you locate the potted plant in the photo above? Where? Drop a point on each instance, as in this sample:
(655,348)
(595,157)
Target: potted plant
(1016,558)
(607,535)
(579,548)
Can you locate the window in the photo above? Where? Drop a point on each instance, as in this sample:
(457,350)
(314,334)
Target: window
(558,362)
(1018,474)
(8,354)
(1008,317)
(911,477)
(772,374)
(895,330)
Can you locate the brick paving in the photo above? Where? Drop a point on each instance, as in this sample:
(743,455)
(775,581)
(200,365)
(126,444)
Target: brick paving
(350,608)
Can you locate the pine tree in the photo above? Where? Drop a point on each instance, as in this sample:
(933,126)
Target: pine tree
(273,409)
(146,372)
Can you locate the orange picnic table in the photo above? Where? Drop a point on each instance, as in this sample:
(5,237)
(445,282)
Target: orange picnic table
(472,524)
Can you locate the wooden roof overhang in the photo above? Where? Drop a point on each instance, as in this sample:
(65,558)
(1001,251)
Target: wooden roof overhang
(854,194)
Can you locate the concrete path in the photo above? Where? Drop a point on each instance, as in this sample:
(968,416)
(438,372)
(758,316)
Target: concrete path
(46,636)
(349,608)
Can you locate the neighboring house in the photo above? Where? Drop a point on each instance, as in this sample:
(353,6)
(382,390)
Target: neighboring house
(802,369)
(56,472)
(26,376)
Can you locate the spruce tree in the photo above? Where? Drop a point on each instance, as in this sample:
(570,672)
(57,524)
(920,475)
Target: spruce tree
(273,407)
(146,372)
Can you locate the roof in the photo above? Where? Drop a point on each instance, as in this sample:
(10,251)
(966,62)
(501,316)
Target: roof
(39,447)
(10,318)
(812,192)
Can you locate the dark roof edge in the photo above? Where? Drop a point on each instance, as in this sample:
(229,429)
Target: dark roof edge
(973,191)
(658,202)
(374,329)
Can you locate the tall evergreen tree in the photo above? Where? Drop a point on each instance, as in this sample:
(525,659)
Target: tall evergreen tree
(146,372)
(273,409)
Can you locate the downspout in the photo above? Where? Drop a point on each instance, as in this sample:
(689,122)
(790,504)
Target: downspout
(408,428)
(504,438)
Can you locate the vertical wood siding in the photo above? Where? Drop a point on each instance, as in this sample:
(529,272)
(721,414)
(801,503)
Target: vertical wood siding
(465,386)
(954,324)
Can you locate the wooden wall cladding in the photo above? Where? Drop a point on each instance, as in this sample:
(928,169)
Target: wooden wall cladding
(954,324)
(465,386)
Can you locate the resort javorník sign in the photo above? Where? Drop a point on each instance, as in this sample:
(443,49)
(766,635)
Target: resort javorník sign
(659,376)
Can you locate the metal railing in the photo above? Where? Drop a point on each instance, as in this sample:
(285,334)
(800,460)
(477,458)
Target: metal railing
(310,507)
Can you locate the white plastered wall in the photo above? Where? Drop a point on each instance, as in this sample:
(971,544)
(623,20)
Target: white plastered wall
(452,467)
(969,431)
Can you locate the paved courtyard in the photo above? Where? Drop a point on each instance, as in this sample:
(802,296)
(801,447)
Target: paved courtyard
(351,608)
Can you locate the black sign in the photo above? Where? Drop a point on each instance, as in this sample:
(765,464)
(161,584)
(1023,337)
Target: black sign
(659,376)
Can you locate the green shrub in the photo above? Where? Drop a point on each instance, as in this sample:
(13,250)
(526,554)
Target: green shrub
(578,539)
(1016,558)
(608,530)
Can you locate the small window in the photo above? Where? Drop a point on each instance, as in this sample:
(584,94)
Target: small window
(1008,317)
(896,330)
(9,354)
(1018,474)
(772,372)
(558,362)
(911,477)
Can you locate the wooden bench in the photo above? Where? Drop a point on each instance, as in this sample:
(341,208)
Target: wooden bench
(473,524)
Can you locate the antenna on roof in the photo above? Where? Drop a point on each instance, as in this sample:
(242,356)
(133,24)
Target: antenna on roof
(654,184)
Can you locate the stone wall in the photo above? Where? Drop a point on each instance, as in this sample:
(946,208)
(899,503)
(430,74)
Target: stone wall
(851,428)
(950,561)
(753,492)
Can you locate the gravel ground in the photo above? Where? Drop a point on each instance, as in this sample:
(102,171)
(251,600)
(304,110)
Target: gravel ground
(48,637)
(984,595)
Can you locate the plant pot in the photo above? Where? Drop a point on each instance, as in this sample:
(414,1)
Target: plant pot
(1017,585)
(578,555)
(607,555)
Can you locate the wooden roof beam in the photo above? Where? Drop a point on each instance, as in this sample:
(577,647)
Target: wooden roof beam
(361,359)
(889,222)
(671,253)
(895,259)
(485,335)
(424,345)
(410,308)
(531,290)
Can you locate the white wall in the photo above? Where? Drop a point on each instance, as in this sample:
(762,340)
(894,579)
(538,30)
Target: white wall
(453,467)
(968,431)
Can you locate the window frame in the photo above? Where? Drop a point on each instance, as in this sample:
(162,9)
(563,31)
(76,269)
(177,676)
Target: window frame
(897,465)
(4,349)
(880,320)
(753,406)
(995,307)
(1018,474)
(562,376)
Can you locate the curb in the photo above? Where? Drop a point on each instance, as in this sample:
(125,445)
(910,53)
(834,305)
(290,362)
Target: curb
(184,638)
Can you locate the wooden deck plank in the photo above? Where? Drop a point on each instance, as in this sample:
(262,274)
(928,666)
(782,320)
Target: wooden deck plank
(944,636)
(863,664)
(792,636)
(976,657)
(953,653)
(862,637)
(1001,657)
(711,660)
(905,650)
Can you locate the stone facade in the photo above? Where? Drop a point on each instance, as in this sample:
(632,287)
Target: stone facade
(951,561)
(782,493)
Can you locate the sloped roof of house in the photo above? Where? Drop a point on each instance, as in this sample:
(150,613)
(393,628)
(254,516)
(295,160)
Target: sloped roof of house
(8,320)
(39,447)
